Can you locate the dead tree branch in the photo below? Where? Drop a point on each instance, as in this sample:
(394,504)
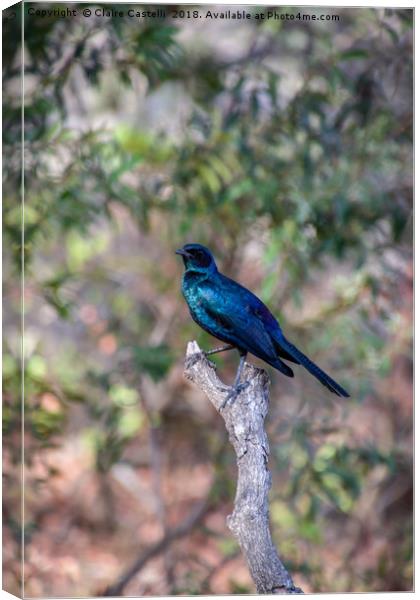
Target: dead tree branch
(171,535)
(244,420)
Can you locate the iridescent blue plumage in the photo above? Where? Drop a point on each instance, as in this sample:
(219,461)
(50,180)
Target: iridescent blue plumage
(234,315)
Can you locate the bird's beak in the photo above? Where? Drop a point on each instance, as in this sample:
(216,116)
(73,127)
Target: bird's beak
(182,252)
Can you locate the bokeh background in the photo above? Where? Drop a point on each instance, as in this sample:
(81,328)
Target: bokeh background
(286,147)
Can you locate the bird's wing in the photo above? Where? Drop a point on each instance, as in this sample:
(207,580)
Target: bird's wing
(248,333)
(233,312)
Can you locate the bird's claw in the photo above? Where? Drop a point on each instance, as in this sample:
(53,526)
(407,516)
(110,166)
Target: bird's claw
(234,393)
(193,358)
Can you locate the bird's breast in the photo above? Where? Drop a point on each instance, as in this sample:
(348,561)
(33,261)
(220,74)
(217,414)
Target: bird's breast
(198,295)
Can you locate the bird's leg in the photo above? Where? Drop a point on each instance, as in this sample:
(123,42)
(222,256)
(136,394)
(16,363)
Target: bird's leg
(193,358)
(237,387)
(240,369)
(219,349)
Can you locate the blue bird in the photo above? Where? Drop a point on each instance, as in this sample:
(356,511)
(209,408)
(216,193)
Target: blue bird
(234,315)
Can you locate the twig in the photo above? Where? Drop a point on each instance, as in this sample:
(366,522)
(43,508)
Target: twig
(205,584)
(174,534)
(244,420)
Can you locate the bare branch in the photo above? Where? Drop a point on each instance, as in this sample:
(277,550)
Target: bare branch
(244,420)
(171,535)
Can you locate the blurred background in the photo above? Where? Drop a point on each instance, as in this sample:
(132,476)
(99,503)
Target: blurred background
(286,147)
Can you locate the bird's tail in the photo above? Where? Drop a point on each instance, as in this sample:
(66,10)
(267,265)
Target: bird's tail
(325,379)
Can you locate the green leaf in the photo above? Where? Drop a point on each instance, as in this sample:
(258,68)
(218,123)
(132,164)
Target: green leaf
(155,360)
(353,54)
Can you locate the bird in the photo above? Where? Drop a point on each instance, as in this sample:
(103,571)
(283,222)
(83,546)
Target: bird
(234,315)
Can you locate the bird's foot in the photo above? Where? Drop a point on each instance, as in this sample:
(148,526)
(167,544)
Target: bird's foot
(234,393)
(193,358)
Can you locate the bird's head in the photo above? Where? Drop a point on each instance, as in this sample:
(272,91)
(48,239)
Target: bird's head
(197,258)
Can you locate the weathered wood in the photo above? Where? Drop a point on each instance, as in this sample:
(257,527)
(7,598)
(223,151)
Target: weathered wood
(244,419)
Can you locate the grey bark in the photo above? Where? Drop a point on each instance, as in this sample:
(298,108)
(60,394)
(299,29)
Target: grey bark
(244,420)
